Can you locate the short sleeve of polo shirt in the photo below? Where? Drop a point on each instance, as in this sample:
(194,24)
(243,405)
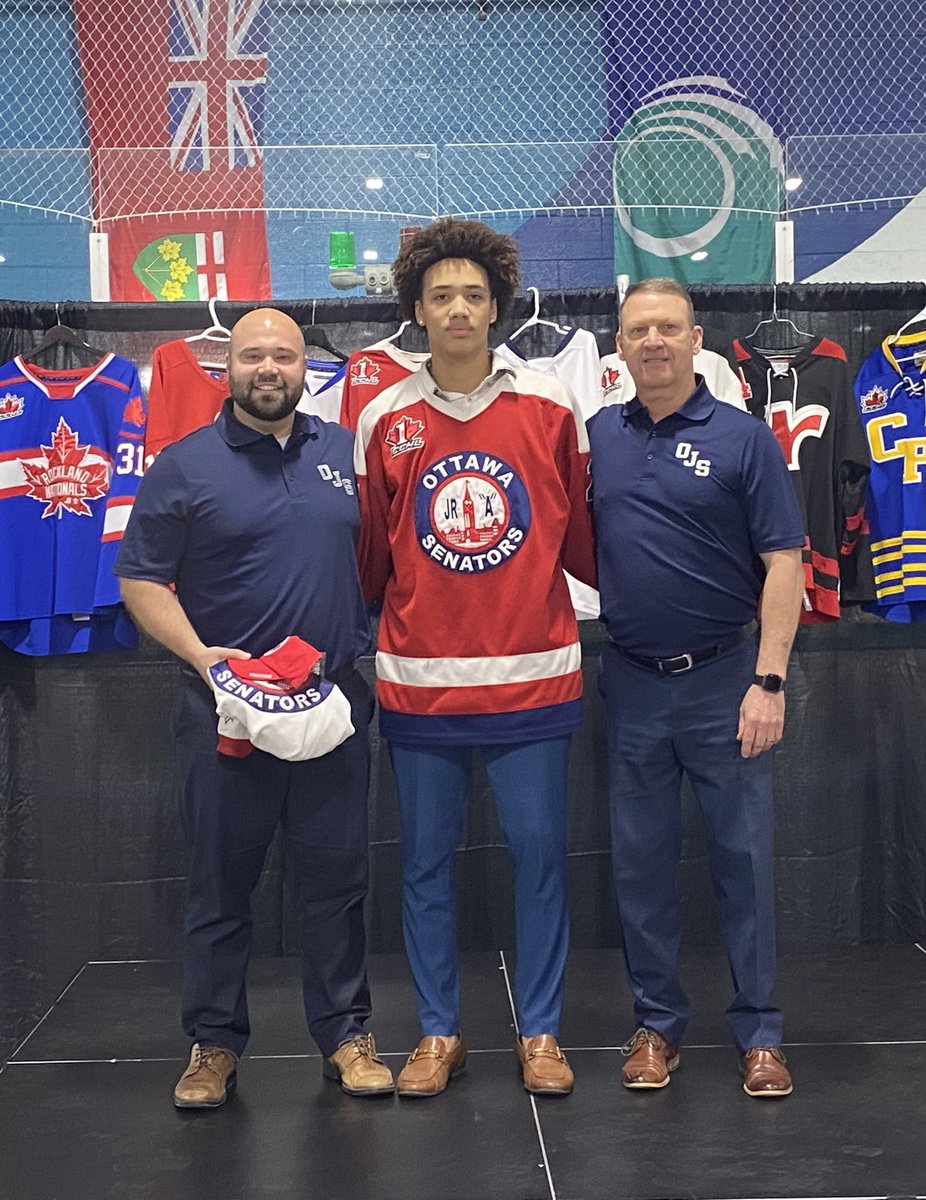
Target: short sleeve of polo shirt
(156,536)
(772,511)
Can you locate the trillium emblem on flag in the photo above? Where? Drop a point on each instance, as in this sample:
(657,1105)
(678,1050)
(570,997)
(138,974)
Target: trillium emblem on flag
(176,129)
(184,266)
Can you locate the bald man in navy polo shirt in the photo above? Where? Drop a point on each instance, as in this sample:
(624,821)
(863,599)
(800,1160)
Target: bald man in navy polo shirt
(254,521)
(695,518)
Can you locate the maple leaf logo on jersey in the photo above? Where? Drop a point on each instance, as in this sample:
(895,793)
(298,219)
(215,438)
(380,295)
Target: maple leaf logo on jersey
(11,406)
(405,435)
(611,381)
(873,401)
(364,371)
(66,479)
(134,413)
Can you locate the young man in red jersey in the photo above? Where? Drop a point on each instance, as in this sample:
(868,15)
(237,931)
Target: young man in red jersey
(472,479)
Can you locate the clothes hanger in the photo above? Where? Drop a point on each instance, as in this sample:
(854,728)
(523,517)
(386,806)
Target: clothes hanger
(394,337)
(60,335)
(776,319)
(216,332)
(316,338)
(535,319)
(917,319)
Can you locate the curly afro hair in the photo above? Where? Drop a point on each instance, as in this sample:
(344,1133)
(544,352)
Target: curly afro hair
(496,253)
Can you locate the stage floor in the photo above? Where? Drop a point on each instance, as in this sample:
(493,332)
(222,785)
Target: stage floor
(86,1112)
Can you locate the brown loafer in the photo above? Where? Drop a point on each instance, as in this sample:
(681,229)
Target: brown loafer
(765,1075)
(430,1068)
(543,1066)
(358,1068)
(208,1079)
(650,1060)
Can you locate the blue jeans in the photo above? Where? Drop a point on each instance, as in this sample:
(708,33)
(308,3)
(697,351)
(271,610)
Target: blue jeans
(528,781)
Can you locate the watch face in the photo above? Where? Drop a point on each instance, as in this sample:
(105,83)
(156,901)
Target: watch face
(770,683)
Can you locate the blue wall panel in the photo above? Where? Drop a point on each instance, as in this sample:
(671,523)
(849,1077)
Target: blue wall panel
(46,258)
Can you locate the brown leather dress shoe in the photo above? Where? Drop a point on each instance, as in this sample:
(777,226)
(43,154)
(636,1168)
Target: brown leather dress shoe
(543,1066)
(359,1068)
(650,1060)
(765,1075)
(207,1080)
(430,1068)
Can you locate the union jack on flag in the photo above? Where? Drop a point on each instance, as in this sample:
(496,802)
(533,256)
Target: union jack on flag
(217,56)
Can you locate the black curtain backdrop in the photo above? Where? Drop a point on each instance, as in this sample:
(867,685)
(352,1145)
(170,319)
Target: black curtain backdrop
(92,861)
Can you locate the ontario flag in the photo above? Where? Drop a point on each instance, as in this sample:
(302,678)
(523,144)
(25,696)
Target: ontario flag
(175,102)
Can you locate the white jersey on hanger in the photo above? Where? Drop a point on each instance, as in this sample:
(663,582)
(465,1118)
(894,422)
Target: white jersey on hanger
(618,387)
(573,362)
(323,389)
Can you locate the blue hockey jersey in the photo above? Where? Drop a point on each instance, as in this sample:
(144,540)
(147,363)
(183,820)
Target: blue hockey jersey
(71,459)
(890,390)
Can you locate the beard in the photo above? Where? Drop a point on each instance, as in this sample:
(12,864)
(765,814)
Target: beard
(268,406)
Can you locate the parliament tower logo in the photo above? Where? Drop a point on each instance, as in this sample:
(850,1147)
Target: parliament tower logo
(472,512)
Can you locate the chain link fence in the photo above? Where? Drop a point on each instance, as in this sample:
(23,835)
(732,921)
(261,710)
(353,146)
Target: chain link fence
(476,107)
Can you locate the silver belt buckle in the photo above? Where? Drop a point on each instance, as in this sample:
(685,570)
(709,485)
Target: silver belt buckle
(677,665)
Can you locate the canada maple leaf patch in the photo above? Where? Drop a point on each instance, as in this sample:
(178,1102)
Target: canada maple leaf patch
(68,477)
(134,412)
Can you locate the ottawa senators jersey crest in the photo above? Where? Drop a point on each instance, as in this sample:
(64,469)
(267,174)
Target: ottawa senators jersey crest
(472,512)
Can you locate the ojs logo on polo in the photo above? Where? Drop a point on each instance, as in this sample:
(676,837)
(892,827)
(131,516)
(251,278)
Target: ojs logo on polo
(472,512)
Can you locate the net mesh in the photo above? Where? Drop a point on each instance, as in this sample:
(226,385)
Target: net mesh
(476,108)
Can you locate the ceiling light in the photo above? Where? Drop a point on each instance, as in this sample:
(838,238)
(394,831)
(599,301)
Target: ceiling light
(370,255)
(792,183)
(699,256)
(373,182)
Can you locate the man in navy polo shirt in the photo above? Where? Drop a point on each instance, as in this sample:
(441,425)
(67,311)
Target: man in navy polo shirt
(695,518)
(254,521)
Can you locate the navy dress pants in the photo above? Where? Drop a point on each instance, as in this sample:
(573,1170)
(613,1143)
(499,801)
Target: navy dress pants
(528,780)
(230,809)
(659,727)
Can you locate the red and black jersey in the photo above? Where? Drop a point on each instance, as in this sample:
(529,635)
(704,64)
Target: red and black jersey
(806,398)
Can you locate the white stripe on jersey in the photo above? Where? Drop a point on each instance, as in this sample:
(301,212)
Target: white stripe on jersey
(118,511)
(477,672)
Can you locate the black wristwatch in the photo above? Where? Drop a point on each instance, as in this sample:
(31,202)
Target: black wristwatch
(769,683)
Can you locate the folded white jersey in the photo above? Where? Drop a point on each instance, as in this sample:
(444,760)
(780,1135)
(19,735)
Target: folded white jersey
(292,723)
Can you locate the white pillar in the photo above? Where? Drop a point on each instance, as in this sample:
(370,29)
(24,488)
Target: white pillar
(99,266)
(784,251)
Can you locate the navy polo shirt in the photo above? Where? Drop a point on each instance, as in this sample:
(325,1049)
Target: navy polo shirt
(682,511)
(259,540)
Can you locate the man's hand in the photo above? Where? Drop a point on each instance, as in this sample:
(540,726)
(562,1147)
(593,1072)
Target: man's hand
(210,655)
(762,721)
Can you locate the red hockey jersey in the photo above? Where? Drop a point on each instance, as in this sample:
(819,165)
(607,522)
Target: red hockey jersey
(369,373)
(471,509)
(183,396)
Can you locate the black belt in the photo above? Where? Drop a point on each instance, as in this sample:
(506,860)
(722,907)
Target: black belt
(680,663)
